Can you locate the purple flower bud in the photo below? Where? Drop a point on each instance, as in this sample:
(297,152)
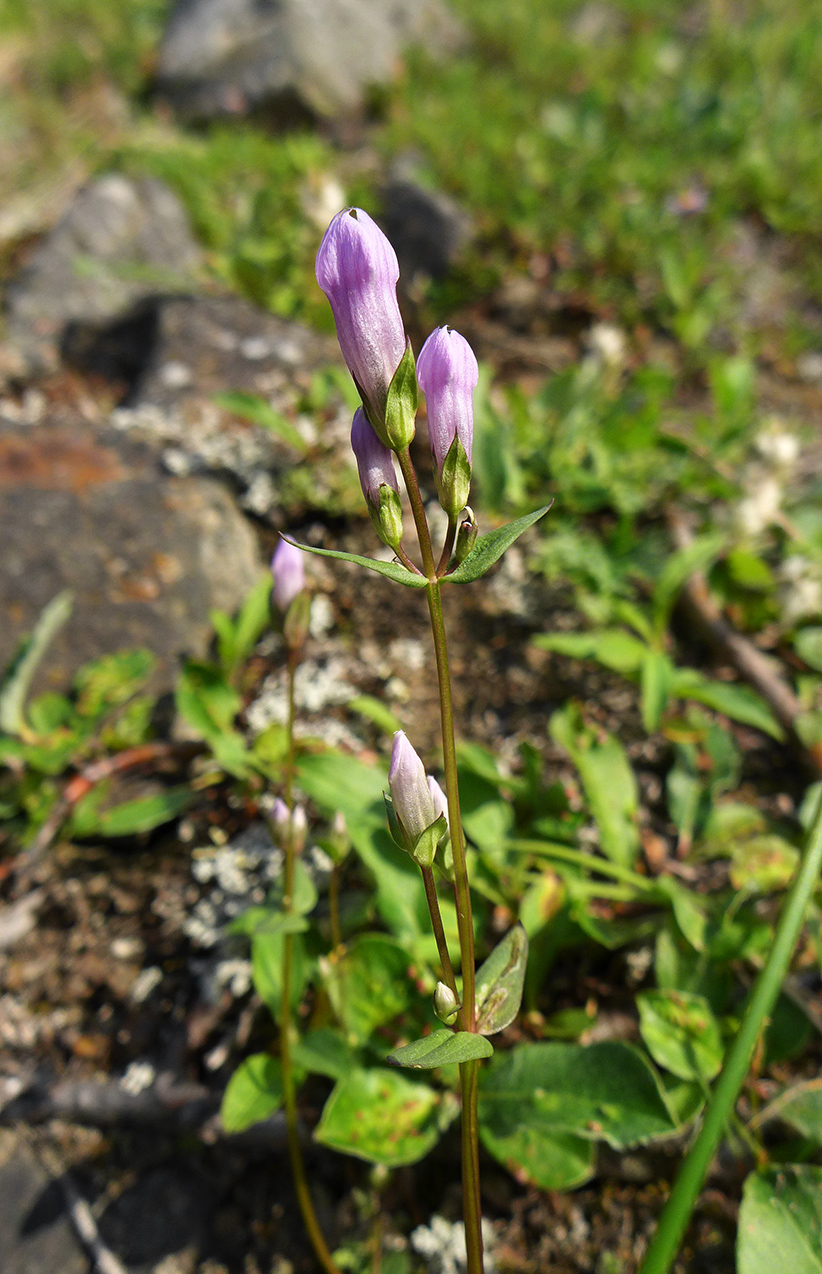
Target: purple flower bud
(447,372)
(358,270)
(409,789)
(438,797)
(280,816)
(375,462)
(288,574)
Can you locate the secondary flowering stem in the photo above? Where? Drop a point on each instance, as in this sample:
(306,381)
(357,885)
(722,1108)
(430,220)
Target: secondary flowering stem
(439,931)
(418,512)
(286,1023)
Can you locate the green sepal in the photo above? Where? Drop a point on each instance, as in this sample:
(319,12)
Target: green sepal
(490,548)
(387,518)
(295,624)
(392,570)
(401,403)
(466,535)
(441,1048)
(454,479)
(424,849)
(394,825)
(499,982)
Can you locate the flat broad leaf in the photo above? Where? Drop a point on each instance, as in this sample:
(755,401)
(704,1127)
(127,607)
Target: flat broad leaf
(538,1156)
(254,1092)
(267,967)
(801,1107)
(780,1221)
(499,982)
(441,1048)
(140,815)
(323,1052)
(655,684)
(490,548)
(598,1091)
(382,1117)
(681,1033)
(392,570)
(267,920)
(608,780)
(368,984)
(613,647)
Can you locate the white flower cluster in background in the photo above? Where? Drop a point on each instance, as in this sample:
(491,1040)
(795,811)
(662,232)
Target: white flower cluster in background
(765,478)
(442,1245)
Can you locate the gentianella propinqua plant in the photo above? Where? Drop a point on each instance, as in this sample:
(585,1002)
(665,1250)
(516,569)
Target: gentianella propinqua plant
(357,269)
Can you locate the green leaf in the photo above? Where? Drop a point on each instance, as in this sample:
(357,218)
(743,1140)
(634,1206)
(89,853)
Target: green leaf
(681,1033)
(499,982)
(237,638)
(30,654)
(323,1052)
(608,780)
(382,1117)
(538,1156)
(266,921)
(780,1222)
(655,684)
(441,1048)
(678,569)
(111,680)
(210,703)
(254,1092)
(132,817)
(375,710)
(490,548)
(594,1091)
(801,1107)
(763,864)
(808,645)
(392,570)
(611,647)
(267,968)
(259,412)
(740,703)
(368,985)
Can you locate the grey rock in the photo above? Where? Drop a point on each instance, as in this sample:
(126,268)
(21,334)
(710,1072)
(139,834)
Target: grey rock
(147,555)
(228,56)
(36,1236)
(427,228)
(119,240)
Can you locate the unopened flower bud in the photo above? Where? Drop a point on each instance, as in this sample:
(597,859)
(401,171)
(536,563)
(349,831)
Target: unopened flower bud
(438,797)
(378,479)
(358,270)
(408,785)
(299,828)
(288,575)
(280,816)
(466,535)
(446,1004)
(447,371)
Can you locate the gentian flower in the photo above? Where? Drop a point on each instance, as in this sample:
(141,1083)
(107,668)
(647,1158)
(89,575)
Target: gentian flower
(378,479)
(288,575)
(408,785)
(447,371)
(358,270)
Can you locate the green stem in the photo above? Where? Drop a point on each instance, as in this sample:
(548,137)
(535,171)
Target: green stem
(677,1211)
(470,1167)
(286,1022)
(439,930)
(544,849)
(448,547)
(418,511)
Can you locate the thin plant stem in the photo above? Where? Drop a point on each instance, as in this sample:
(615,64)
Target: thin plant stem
(334,907)
(677,1211)
(448,547)
(465,921)
(439,930)
(406,560)
(295,1154)
(418,511)
(593,862)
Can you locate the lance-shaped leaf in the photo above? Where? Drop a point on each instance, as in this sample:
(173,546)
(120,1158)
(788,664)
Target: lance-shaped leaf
(490,548)
(392,570)
(441,1048)
(499,982)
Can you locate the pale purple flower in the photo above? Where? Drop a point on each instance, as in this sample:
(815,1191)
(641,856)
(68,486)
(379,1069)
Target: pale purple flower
(358,270)
(409,788)
(287,573)
(280,815)
(438,797)
(447,372)
(375,462)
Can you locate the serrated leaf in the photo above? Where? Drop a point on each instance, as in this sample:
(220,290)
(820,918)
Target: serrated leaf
(780,1221)
(392,570)
(598,1091)
(382,1117)
(681,1033)
(499,982)
(490,548)
(441,1048)
(254,1092)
